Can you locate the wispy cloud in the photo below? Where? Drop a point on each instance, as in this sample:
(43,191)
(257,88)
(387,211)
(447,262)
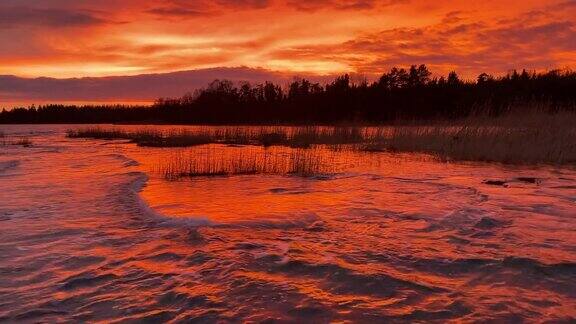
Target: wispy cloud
(14,16)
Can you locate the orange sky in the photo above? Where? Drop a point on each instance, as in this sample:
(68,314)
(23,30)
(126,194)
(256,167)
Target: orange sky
(76,38)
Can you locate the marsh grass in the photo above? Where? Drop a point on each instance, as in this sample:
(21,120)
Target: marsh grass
(213,162)
(299,137)
(530,135)
(313,135)
(99,133)
(527,138)
(144,137)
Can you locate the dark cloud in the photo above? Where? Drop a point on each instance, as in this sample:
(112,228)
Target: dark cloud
(567,4)
(181,9)
(245,4)
(181,12)
(341,4)
(15,16)
(141,87)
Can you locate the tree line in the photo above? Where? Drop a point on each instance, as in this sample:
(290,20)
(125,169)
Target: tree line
(398,94)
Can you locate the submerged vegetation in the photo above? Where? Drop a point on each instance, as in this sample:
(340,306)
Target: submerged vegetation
(400,94)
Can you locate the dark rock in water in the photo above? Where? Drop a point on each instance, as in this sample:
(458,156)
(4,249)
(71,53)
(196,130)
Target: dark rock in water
(495,182)
(488,223)
(529,180)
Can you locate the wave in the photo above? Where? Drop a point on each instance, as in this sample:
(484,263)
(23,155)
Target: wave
(126,161)
(136,186)
(305,220)
(137,183)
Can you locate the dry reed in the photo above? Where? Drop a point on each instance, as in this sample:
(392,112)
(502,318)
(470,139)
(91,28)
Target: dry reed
(527,136)
(299,137)
(212,162)
(530,138)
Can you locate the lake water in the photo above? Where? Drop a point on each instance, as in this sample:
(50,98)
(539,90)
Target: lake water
(91,231)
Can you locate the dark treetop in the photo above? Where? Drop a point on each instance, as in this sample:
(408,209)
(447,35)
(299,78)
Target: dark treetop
(399,94)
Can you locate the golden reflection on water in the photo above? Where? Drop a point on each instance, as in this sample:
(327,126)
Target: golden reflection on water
(375,232)
(377,237)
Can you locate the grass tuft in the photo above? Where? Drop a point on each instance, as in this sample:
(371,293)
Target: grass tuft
(212,162)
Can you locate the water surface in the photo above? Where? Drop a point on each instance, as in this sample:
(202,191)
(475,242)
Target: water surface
(89,231)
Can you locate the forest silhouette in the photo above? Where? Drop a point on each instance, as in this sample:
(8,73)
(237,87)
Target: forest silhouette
(400,94)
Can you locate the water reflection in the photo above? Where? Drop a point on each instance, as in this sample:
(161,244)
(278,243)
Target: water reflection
(91,231)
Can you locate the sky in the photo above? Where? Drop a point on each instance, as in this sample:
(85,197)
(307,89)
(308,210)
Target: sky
(81,38)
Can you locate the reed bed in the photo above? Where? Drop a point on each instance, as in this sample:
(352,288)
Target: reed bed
(531,138)
(213,162)
(298,137)
(144,137)
(99,133)
(519,137)
(312,135)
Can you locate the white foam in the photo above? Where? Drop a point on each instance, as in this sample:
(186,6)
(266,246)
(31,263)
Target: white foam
(189,221)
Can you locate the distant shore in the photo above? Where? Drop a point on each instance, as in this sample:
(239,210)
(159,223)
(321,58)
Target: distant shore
(399,95)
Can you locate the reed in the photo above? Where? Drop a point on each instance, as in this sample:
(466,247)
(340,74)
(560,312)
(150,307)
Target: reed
(213,162)
(529,138)
(150,138)
(530,135)
(99,133)
(299,137)
(314,135)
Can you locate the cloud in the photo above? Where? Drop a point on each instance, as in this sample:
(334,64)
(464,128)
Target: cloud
(51,17)
(181,9)
(180,12)
(245,4)
(146,87)
(457,42)
(321,36)
(341,4)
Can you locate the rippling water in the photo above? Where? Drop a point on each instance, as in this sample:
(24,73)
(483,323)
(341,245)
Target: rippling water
(89,232)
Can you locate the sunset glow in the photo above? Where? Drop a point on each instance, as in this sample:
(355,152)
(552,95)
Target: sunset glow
(65,38)
(287,161)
